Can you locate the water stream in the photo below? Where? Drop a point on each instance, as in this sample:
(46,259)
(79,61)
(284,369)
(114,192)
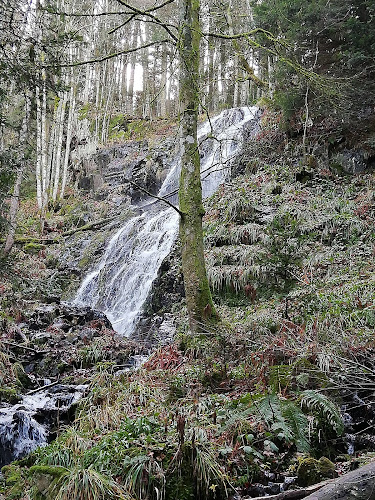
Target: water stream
(25,426)
(121,282)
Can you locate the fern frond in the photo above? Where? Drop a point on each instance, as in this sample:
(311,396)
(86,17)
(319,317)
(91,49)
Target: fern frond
(269,408)
(316,402)
(299,424)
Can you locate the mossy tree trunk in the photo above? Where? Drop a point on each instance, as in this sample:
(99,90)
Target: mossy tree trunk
(198,295)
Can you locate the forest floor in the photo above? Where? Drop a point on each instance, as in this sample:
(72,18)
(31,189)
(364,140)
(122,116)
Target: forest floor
(277,396)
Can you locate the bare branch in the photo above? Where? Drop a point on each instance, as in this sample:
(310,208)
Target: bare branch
(155,196)
(73,14)
(148,14)
(109,56)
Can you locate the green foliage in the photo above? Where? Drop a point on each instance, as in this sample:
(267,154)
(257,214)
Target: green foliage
(324,409)
(286,420)
(284,248)
(14,479)
(338,40)
(79,484)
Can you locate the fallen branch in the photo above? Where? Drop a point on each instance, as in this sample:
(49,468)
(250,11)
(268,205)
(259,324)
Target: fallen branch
(91,225)
(50,241)
(13,344)
(296,494)
(34,391)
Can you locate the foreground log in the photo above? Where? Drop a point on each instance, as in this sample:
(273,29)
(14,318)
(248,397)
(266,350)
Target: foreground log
(91,226)
(295,494)
(358,484)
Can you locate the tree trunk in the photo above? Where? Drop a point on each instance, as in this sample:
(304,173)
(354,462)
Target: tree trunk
(38,166)
(132,63)
(59,142)
(14,202)
(198,295)
(68,141)
(163,83)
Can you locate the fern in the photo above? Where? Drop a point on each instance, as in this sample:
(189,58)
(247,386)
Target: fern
(298,423)
(327,411)
(286,419)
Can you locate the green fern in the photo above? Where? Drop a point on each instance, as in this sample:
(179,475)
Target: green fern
(298,423)
(327,411)
(286,419)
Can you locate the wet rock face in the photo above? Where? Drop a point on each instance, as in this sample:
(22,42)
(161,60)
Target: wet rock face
(168,288)
(105,173)
(64,316)
(66,340)
(351,162)
(167,293)
(59,347)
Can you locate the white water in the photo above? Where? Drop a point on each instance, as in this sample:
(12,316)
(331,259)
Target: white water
(122,281)
(20,430)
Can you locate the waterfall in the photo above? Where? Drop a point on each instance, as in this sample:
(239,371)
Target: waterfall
(122,281)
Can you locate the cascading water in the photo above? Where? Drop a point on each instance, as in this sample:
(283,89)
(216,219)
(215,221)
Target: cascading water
(122,281)
(21,430)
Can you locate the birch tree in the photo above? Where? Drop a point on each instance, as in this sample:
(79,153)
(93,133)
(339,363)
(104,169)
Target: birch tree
(21,167)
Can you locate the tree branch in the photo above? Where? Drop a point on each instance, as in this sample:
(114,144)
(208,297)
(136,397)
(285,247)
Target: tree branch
(109,56)
(73,14)
(181,214)
(148,14)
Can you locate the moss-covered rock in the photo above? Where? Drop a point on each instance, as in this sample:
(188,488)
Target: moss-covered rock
(33,247)
(13,481)
(311,471)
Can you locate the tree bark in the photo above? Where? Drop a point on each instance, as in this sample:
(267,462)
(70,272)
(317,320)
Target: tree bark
(14,202)
(198,295)
(59,141)
(68,140)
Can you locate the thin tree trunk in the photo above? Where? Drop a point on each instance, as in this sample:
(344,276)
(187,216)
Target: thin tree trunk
(44,146)
(223,79)
(38,172)
(57,158)
(68,141)
(198,295)
(14,202)
(132,62)
(52,144)
(163,83)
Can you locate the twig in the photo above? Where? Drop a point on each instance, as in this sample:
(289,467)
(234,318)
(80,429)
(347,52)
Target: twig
(34,391)
(12,344)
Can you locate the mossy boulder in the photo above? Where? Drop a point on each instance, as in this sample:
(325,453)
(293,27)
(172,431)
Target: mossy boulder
(33,248)
(311,471)
(13,481)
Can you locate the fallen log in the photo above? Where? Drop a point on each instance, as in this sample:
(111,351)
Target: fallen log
(41,388)
(91,225)
(295,494)
(358,484)
(50,241)
(21,346)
